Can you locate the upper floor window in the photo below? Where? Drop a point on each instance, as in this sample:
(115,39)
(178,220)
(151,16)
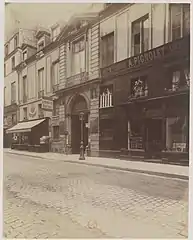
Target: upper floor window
(140,35)
(25,113)
(5,95)
(78,56)
(4,69)
(24,55)
(179,78)
(14,119)
(106,97)
(55,73)
(24,88)
(40,79)
(6,50)
(179,20)
(15,41)
(13,92)
(13,62)
(40,45)
(107,49)
(56,109)
(139,86)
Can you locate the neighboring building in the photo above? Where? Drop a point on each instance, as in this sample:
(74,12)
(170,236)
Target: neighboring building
(144,92)
(12,58)
(77,90)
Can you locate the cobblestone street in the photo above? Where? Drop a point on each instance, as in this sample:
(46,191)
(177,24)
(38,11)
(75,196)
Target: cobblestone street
(54,199)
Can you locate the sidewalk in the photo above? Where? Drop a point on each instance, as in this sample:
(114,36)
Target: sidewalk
(165,170)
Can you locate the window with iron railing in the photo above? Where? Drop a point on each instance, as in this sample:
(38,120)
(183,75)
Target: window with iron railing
(106,98)
(140,35)
(139,87)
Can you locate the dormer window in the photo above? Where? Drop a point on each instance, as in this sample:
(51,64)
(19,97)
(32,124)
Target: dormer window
(24,55)
(55,32)
(41,45)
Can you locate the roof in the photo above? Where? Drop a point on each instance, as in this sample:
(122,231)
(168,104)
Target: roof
(25,126)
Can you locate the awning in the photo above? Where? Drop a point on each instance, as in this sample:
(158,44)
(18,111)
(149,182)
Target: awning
(24,126)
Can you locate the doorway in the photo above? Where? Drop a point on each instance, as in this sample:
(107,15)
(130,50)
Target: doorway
(154,135)
(79,105)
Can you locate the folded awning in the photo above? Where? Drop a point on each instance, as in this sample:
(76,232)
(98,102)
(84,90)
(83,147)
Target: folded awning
(24,126)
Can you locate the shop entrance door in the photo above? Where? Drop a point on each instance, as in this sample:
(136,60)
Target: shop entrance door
(154,135)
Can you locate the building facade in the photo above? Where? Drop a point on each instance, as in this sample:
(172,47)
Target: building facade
(78,88)
(145,72)
(12,59)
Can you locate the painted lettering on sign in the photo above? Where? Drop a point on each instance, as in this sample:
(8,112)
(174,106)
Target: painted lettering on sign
(146,57)
(47,104)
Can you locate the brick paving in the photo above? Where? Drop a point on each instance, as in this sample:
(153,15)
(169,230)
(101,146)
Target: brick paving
(70,200)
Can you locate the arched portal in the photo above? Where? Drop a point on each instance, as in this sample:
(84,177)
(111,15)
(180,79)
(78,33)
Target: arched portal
(79,104)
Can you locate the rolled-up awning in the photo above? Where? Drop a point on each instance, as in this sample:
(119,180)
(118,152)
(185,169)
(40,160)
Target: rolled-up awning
(24,126)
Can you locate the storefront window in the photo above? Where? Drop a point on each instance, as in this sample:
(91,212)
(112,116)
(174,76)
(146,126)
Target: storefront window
(135,135)
(176,134)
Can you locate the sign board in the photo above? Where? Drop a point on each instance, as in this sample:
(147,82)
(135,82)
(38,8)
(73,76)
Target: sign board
(47,104)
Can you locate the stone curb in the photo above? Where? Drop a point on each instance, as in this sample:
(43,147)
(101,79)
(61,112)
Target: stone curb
(161,174)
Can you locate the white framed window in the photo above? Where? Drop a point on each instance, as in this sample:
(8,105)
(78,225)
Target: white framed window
(179,20)
(78,56)
(140,35)
(106,98)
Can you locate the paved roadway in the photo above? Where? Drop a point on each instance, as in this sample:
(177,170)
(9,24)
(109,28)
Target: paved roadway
(54,199)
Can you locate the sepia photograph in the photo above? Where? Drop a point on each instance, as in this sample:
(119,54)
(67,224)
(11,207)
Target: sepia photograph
(96,120)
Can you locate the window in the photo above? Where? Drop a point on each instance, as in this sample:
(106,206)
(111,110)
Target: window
(4,69)
(40,111)
(41,45)
(140,35)
(13,92)
(139,87)
(24,55)
(179,20)
(106,98)
(6,50)
(14,119)
(56,133)
(55,33)
(107,49)
(24,89)
(25,113)
(13,62)
(5,96)
(55,73)
(40,79)
(177,134)
(15,41)
(78,56)
(93,93)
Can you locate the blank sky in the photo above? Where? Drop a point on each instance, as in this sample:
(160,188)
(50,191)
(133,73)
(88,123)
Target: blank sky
(28,15)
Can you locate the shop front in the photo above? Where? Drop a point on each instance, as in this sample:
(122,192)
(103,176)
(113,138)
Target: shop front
(27,135)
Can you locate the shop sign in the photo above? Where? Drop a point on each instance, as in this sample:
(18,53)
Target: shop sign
(47,104)
(143,58)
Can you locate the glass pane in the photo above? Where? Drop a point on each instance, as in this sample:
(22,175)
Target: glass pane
(145,31)
(176,33)
(136,27)
(136,49)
